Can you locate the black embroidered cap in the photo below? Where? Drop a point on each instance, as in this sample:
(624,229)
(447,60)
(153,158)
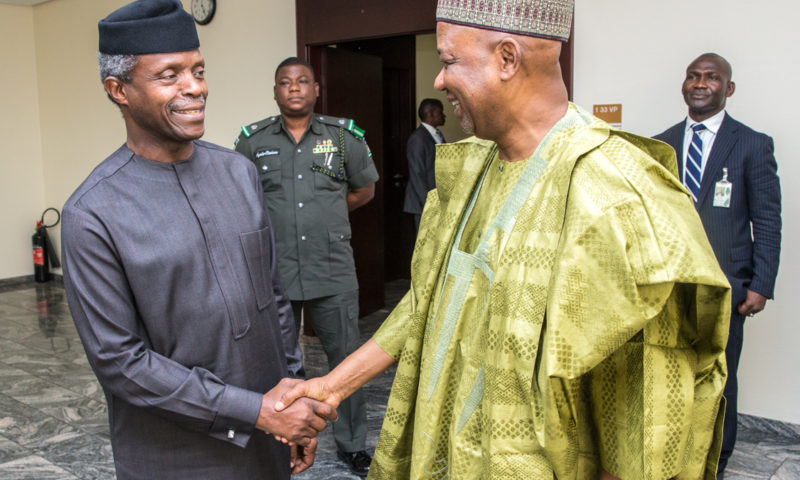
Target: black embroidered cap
(148,26)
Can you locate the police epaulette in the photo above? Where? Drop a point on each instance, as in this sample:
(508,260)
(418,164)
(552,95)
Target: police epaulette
(345,123)
(248,130)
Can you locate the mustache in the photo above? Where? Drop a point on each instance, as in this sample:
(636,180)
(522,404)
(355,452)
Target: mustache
(198,101)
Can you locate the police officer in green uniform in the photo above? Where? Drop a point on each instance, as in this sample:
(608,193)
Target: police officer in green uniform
(314,170)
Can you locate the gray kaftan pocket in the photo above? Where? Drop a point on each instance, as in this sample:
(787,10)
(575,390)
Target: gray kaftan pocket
(257,254)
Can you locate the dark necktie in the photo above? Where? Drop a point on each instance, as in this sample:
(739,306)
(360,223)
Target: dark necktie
(694,162)
(439,136)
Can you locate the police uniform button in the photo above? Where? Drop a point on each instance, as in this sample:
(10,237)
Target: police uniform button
(300,176)
(300,205)
(231,434)
(302,237)
(299,150)
(264,167)
(341,237)
(253,126)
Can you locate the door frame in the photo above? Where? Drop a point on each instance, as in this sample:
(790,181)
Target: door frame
(326,22)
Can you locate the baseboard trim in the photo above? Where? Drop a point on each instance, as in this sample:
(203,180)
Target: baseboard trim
(25,281)
(768,425)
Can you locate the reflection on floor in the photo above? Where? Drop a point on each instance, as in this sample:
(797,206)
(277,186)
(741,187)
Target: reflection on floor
(53,422)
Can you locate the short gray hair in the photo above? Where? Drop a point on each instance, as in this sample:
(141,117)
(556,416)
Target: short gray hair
(119,66)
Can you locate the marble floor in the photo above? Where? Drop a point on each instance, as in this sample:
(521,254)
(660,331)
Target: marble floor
(53,422)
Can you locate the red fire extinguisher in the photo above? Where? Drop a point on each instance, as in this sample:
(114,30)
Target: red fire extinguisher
(44,255)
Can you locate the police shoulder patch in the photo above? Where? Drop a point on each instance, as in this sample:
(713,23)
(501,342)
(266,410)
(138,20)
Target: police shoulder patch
(248,130)
(344,123)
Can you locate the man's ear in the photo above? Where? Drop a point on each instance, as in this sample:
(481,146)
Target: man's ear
(731,88)
(509,52)
(115,88)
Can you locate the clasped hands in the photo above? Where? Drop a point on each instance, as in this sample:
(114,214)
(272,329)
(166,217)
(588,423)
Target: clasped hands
(297,422)
(294,393)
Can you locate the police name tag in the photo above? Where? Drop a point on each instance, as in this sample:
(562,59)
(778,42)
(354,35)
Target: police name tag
(722,191)
(267,152)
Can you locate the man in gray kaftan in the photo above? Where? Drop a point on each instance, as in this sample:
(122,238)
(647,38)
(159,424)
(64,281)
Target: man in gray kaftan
(170,273)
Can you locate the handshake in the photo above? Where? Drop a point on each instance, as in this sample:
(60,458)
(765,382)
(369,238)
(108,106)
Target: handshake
(294,412)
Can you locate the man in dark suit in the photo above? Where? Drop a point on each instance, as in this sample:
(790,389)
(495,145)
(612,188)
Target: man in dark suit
(421,152)
(731,172)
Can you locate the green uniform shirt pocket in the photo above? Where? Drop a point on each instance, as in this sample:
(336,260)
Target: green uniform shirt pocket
(268,162)
(328,175)
(341,253)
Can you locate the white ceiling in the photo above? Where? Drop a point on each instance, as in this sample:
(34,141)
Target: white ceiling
(23,2)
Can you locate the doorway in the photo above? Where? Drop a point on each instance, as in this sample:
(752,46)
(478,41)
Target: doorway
(383,235)
(372,82)
(397,55)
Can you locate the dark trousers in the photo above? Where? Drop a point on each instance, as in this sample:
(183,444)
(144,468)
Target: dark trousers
(732,353)
(417,217)
(335,321)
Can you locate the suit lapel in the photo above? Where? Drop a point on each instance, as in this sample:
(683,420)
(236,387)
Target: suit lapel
(723,144)
(428,138)
(677,144)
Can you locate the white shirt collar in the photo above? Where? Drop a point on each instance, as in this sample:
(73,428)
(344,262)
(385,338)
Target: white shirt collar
(712,123)
(432,130)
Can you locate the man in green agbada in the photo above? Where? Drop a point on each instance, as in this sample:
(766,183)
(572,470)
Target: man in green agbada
(566,317)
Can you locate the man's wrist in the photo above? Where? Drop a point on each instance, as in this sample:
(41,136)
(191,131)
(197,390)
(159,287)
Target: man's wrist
(238,412)
(264,422)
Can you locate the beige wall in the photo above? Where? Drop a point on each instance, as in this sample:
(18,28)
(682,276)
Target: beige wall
(22,196)
(57,123)
(242,46)
(636,53)
(428,67)
(79,125)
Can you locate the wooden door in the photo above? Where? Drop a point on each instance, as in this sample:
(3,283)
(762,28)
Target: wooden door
(398,225)
(325,22)
(398,55)
(351,86)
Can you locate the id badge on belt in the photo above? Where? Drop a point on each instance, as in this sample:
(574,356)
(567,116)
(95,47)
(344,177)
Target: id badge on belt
(722,191)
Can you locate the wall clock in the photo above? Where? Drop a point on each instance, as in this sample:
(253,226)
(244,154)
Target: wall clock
(203,10)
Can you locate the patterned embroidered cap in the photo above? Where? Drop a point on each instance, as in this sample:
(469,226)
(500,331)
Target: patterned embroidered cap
(538,18)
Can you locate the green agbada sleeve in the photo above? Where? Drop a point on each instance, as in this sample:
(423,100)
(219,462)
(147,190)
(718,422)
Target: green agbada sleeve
(408,319)
(636,330)
(393,333)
